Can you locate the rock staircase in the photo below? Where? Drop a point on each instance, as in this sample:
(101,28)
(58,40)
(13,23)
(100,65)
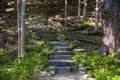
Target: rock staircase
(60,58)
(60,64)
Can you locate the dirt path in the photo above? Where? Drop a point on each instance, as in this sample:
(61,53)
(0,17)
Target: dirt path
(80,75)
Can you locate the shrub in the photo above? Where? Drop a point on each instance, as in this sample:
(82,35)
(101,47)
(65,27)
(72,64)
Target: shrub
(34,61)
(82,25)
(102,67)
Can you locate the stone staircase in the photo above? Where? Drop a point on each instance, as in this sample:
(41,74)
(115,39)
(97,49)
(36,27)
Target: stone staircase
(60,64)
(60,58)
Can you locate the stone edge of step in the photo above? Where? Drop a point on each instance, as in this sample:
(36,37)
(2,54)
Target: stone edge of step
(56,43)
(62,52)
(66,61)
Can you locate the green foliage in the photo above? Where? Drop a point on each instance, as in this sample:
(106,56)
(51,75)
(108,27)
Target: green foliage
(7,57)
(73,44)
(21,71)
(34,60)
(100,42)
(43,46)
(102,67)
(2,51)
(33,38)
(61,37)
(113,54)
(82,25)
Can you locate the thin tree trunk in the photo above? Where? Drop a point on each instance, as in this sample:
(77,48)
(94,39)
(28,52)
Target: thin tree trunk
(20,24)
(84,10)
(65,13)
(96,16)
(22,27)
(19,30)
(47,10)
(109,11)
(79,8)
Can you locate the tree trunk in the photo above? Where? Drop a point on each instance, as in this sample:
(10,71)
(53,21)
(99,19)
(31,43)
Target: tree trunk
(96,16)
(84,10)
(19,30)
(65,13)
(20,23)
(79,8)
(22,27)
(109,11)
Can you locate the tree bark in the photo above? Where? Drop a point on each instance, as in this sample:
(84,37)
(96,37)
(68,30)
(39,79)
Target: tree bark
(19,30)
(96,16)
(20,24)
(109,12)
(22,27)
(65,13)
(84,10)
(79,8)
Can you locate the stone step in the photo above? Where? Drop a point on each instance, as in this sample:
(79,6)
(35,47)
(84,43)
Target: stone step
(60,63)
(80,50)
(57,43)
(57,69)
(62,53)
(62,48)
(48,38)
(60,57)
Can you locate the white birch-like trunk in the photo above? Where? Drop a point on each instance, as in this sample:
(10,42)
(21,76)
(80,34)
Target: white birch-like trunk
(84,10)
(79,8)
(19,29)
(20,24)
(22,27)
(65,13)
(96,16)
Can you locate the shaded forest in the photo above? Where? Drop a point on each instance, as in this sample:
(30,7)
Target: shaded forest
(27,29)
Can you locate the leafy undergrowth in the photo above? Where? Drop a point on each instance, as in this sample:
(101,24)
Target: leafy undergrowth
(100,67)
(34,61)
(82,25)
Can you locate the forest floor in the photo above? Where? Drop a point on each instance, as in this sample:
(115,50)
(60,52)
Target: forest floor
(36,16)
(8,24)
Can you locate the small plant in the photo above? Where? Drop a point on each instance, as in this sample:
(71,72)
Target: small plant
(61,37)
(33,38)
(100,42)
(85,23)
(73,44)
(113,54)
(79,59)
(81,25)
(2,51)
